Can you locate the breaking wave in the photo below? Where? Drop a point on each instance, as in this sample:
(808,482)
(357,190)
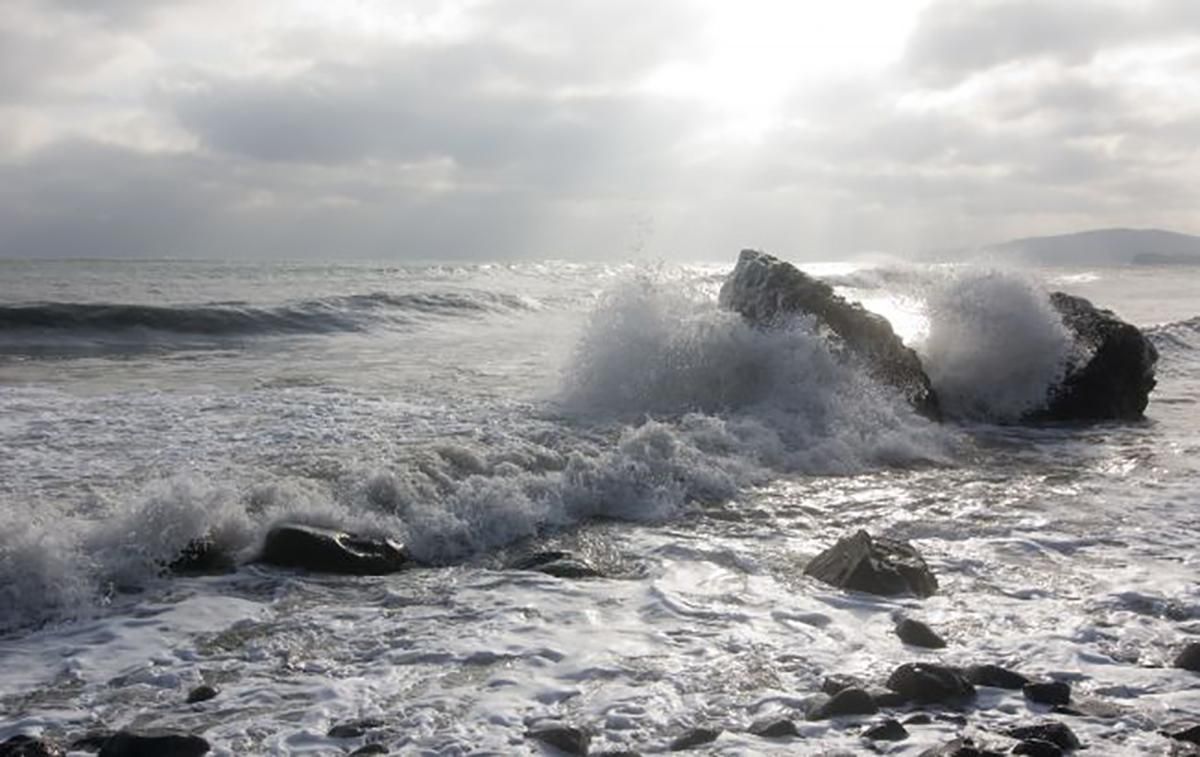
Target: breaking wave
(996,347)
(667,404)
(39,323)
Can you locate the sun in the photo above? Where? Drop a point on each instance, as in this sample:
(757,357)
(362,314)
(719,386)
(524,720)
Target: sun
(763,53)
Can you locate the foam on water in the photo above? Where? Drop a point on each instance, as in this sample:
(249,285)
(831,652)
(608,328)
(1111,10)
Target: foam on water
(706,461)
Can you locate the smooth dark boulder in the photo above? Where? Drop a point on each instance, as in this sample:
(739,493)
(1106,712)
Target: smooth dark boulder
(694,738)
(30,746)
(995,676)
(929,683)
(1113,374)
(369,749)
(888,730)
(852,701)
(961,747)
(326,550)
(767,291)
(1048,692)
(1189,658)
(917,634)
(778,728)
(875,565)
(556,563)
(201,693)
(1054,732)
(201,557)
(565,738)
(128,744)
(354,728)
(1037,748)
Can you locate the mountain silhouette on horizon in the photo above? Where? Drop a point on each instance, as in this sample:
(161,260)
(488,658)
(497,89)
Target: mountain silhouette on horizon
(1116,246)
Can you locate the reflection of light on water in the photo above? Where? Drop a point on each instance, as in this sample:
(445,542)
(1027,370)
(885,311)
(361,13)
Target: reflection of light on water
(906,314)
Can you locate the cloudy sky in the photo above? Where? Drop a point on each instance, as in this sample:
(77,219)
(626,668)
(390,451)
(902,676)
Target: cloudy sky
(613,129)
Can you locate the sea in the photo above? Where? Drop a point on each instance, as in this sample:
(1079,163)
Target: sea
(479,413)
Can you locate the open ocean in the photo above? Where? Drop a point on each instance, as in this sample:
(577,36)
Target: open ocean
(479,412)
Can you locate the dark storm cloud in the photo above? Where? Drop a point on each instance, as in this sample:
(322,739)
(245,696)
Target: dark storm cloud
(956,38)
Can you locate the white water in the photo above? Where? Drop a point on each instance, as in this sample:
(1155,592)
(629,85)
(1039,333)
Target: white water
(718,458)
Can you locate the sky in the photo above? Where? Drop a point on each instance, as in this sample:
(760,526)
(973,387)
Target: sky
(589,129)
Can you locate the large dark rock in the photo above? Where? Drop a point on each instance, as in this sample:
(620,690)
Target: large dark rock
(30,746)
(1052,731)
(127,744)
(1113,375)
(888,730)
(874,565)
(325,550)
(1048,692)
(929,683)
(767,291)
(201,693)
(1189,658)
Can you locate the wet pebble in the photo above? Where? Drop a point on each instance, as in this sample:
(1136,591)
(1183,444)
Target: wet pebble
(564,738)
(918,634)
(1048,692)
(694,738)
(201,693)
(888,730)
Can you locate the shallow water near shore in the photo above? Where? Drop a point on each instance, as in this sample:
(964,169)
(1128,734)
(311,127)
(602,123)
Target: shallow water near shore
(482,412)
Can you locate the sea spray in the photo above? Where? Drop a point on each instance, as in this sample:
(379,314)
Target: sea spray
(995,346)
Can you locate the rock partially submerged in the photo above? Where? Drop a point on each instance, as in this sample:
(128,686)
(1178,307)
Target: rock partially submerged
(556,563)
(1112,378)
(875,565)
(129,744)
(766,291)
(928,683)
(326,550)
(29,746)
(1109,377)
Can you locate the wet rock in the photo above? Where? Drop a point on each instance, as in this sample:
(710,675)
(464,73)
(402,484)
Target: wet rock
(129,744)
(919,719)
(1054,732)
(558,564)
(369,749)
(961,747)
(875,565)
(1037,748)
(767,291)
(325,550)
(617,753)
(1112,378)
(918,634)
(929,683)
(888,730)
(30,746)
(92,741)
(201,693)
(1189,658)
(1048,692)
(694,738)
(995,676)
(564,738)
(846,702)
(1189,733)
(353,729)
(201,557)
(774,729)
(885,699)
(833,684)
